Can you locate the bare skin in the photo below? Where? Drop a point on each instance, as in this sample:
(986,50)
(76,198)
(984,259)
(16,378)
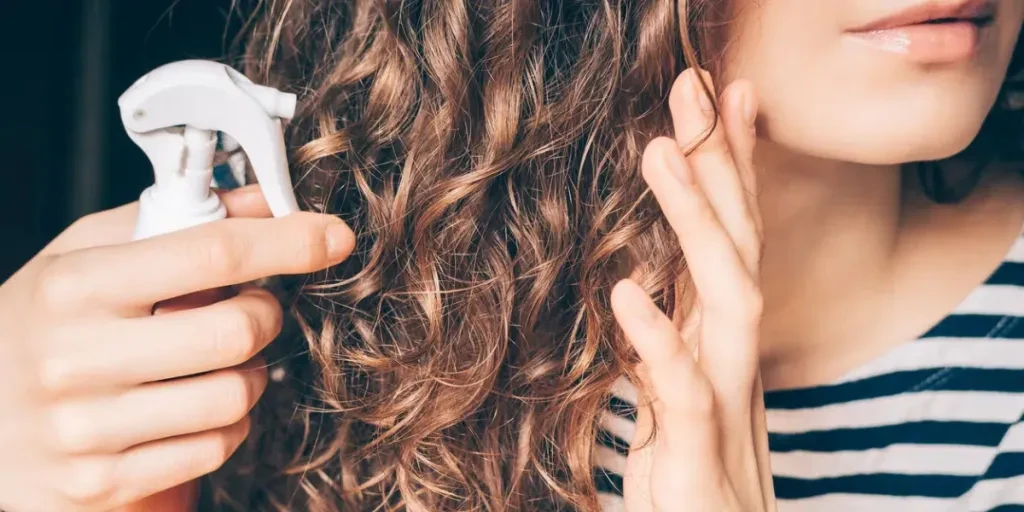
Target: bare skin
(849,243)
(850,240)
(848,249)
(710,449)
(830,298)
(106,403)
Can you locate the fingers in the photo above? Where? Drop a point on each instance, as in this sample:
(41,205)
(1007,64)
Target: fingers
(160,465)
(704,196)
(680,459)
(116,226)
(693,114)
(715,221)
(739,103)
(716,158)
(247,201)
(161,410)
(166,346)
(715,265)
(112,226)
(683,401)
(759,428)
(135,276)
(728,295)
(109,481)
(712,219)
(668,364)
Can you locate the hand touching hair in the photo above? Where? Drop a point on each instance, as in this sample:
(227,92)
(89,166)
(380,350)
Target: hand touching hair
(487,154)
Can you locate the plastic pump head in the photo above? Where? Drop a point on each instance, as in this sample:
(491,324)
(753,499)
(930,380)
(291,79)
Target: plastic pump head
(174,113)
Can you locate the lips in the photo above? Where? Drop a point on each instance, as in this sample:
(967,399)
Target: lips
(931,32)
(976,12)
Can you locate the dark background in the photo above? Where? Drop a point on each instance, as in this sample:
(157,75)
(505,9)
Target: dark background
(64,151)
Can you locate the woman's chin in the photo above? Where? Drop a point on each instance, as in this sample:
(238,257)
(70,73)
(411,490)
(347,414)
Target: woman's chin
(882,148)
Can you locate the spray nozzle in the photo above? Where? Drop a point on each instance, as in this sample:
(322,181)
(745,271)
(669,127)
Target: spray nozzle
(174,113)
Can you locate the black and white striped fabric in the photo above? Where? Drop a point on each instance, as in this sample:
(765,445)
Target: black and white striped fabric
(936,424)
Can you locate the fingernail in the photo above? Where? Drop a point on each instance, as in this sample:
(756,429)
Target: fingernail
(749,108)
(339,240)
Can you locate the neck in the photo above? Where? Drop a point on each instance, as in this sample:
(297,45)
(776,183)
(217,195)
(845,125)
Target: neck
(830,227)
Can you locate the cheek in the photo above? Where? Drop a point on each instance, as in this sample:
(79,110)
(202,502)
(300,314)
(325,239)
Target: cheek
(877,127)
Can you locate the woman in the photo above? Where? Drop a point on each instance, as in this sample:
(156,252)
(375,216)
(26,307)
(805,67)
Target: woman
(525,187)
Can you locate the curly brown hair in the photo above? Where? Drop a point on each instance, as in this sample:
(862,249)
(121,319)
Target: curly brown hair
(486,153)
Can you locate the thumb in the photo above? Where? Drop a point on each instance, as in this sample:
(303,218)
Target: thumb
(247,201)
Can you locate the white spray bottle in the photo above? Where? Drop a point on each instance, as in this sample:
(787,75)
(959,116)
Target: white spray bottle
(174,113)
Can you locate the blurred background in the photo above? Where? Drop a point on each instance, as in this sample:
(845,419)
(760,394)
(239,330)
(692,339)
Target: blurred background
(64,65)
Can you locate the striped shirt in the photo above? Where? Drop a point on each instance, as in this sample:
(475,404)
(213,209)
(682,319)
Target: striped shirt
(936,424)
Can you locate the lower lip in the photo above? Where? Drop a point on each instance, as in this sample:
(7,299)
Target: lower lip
(926,43)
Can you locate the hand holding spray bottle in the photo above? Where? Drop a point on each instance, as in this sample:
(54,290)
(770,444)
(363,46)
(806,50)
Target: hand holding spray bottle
(125,380)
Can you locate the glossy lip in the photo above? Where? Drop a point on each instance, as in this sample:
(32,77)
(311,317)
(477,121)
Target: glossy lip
(931,33)
(975,11)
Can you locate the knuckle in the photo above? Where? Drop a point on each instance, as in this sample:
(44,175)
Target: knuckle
(60,285)
(220,252)
(74,431)
(58,374)
(236,336)
(90,483)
